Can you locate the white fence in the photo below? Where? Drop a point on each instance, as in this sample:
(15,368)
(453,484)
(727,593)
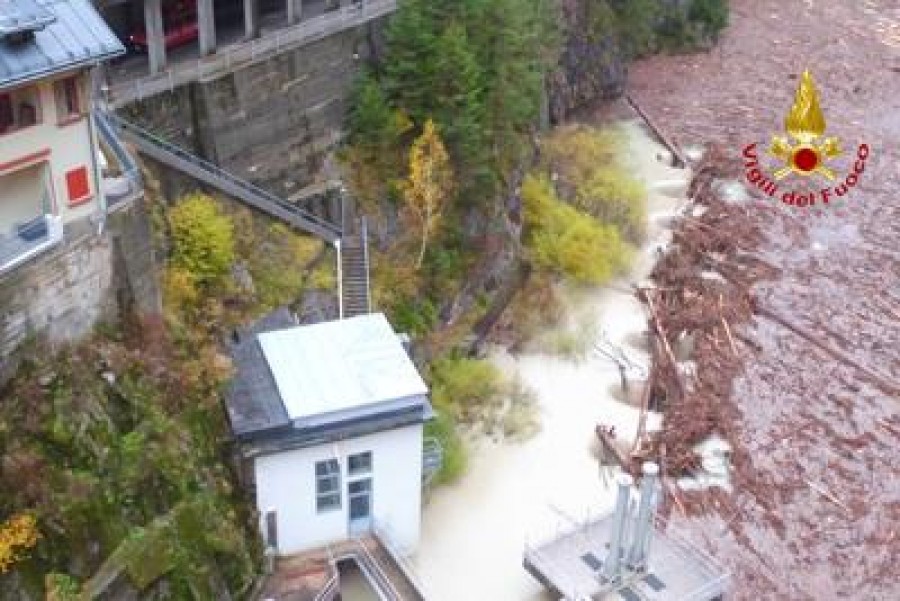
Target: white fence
(245,53)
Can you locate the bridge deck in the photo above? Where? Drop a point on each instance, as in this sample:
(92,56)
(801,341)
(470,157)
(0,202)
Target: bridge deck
(131,82)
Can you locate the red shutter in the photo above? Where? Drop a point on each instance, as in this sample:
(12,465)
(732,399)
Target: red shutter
(77,185)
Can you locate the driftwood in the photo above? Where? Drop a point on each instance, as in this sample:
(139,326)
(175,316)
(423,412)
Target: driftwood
(682,160)
(661,333)
(880,380)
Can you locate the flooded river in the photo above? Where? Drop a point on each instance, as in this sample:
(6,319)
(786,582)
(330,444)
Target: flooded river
(474,532)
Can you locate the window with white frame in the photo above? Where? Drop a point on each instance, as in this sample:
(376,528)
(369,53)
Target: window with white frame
(359,464)
(328,485)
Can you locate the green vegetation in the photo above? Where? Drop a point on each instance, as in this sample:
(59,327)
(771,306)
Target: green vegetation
(101,442)
(647,26)
(474,392)
(202,240)
(566,241)
(228,265)
(588,167)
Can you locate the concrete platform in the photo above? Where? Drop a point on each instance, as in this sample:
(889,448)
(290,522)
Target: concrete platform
(569,565)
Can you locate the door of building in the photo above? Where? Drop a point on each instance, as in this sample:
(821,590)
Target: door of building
(360,495)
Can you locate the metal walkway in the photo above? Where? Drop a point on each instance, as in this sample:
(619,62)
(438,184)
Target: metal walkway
(213,175)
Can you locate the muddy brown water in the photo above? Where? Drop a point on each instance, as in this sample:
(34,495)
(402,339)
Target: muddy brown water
(474,532)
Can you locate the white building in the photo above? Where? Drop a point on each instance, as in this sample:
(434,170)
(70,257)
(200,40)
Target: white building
(49,170)
(330,418)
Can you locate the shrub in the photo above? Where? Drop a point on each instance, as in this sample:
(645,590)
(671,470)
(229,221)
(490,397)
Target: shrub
(179,290)
(466,387)
(202,239)
(563,240)
(414,316)
(614,197)
(454,458)
(17,534)
(712,15)
(574,152)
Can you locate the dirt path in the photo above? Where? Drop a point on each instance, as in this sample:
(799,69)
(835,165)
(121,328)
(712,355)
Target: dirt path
(822,520)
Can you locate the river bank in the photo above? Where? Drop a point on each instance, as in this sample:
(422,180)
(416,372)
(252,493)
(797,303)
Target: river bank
(474,532)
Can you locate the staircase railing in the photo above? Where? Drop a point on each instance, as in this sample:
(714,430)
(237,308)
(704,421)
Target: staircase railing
(365,245)
(333,584)
(229,183)
(364,557)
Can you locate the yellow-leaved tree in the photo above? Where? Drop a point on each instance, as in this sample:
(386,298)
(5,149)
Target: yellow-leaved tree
(17,534)
(429,186)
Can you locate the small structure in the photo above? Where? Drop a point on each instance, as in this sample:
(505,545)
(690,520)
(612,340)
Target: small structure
(50,171)
(329,418)
(626,556)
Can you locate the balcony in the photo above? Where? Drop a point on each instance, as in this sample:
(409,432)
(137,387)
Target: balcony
(27,239)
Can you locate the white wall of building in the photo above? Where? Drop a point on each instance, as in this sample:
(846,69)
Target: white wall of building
(70,145)
(286,483)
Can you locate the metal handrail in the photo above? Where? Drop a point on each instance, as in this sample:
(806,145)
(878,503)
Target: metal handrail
(365,245)
(383,536)
(332,231)
(369,562)
(332,585)
(304,32)
(129,166)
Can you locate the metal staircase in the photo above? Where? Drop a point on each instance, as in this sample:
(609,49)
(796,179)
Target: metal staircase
(213,175)
(355,290)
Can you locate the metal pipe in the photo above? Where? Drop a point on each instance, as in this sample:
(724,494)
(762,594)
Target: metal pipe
(640,545)
(612,563)
(340,283)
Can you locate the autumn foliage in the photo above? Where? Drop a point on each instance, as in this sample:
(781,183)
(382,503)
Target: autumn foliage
(429,186)
(17,534)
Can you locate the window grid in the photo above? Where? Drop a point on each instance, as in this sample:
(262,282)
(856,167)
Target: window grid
(328,485)
(359,464)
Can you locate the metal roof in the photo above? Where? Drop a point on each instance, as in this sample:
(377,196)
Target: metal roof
(340,365)
(66,34)
(297,384)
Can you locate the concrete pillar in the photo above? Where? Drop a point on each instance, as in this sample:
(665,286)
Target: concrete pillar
(251,19)
(206,24)
(294,11)
(156,43)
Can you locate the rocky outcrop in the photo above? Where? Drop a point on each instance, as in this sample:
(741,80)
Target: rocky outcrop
(591,67)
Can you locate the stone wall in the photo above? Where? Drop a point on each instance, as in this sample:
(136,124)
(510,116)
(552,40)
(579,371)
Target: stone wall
(89,278)
(273,121)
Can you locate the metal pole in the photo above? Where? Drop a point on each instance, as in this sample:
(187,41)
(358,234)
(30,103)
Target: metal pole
(340,284)
(611,565)
(637,556)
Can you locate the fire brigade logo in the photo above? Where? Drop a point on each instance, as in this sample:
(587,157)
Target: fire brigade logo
(805,152)
(805,123)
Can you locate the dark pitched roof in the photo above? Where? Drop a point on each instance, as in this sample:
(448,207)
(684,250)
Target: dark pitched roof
(253,401)
(42,37)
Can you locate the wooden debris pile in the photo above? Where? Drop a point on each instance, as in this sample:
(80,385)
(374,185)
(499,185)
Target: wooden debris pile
(701,293)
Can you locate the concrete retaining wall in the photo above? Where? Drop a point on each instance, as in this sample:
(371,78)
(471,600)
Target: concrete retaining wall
(89,278)
(271,122)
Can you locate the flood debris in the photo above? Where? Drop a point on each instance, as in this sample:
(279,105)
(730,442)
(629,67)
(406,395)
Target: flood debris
(685,303)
